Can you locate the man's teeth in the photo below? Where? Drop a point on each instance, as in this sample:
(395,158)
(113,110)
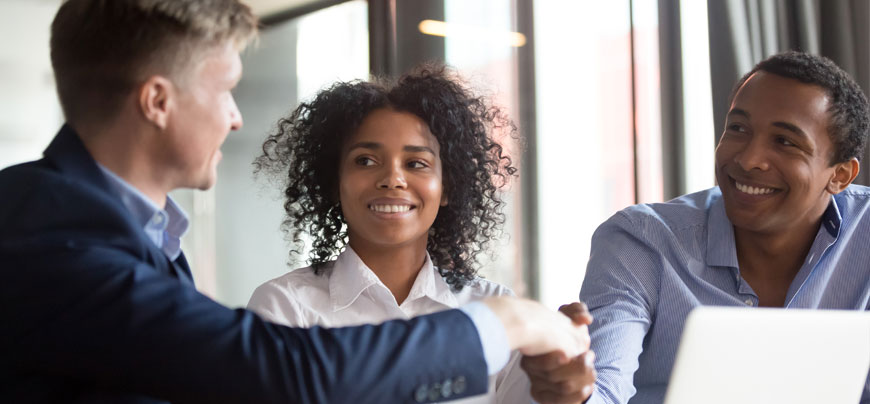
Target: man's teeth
(752,190)
(390,208)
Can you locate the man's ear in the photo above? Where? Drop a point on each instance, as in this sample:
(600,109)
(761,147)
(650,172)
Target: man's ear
(844,174)
(156,98)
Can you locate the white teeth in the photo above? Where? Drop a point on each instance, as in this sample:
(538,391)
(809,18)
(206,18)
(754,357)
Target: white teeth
(752,190)
(390,208)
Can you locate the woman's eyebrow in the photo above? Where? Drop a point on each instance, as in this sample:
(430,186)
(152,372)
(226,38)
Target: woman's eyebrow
(377,146)
(365,145)
(419,149)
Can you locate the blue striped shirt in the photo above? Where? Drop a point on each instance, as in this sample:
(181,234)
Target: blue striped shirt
(651,264)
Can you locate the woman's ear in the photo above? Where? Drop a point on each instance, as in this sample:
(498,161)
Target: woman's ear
(844,174)
(156,98)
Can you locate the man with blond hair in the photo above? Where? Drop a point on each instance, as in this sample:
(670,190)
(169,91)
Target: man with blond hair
(98,299)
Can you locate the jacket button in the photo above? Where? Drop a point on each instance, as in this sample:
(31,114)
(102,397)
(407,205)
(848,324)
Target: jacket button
(421,394)
(459,385)
(435,392)
(447,388)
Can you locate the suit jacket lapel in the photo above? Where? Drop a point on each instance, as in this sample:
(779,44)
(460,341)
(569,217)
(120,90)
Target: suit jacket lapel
(182,270)
(69,155)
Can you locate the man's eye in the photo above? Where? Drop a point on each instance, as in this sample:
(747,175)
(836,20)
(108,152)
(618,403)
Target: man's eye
(784,141)
(736,128)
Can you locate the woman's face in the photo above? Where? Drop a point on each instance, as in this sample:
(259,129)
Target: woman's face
(390,181)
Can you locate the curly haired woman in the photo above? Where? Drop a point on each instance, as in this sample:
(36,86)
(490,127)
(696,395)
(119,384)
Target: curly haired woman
(397,185)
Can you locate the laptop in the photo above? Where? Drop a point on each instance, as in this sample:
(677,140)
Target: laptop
(765,356)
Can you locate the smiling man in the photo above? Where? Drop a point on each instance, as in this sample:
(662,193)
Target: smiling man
(784,228)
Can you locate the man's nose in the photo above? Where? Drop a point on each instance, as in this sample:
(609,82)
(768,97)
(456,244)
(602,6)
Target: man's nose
(753,155)
(235,116)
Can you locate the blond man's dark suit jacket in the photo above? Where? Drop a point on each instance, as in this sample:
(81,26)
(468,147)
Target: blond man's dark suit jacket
(93,312)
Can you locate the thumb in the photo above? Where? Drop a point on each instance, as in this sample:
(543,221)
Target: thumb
(577,312)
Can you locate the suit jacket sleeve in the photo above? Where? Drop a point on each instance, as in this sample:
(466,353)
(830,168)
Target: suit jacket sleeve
(81,305)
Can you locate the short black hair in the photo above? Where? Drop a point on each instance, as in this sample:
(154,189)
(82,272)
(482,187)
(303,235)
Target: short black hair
(849,113)
(304,154)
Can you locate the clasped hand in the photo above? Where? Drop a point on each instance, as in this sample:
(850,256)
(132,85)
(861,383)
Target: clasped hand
(555,347)
(558,377)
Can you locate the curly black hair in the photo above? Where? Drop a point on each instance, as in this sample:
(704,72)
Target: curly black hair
(849,112)
(304,152)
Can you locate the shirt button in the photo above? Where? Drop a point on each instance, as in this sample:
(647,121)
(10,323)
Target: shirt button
(749,302)
(421,394)
(157,219)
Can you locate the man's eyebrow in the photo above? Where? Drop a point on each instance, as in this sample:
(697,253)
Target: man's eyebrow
(791,128)
(419,149)
(738,111)
(784,125)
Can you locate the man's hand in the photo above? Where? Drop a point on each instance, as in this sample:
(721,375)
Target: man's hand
(534,329)
(557,378)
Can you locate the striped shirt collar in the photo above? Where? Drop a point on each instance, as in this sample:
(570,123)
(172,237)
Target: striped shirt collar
(721,248)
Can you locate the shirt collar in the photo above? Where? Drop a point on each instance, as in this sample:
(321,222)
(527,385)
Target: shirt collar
(164,227)
(721,248)
(177,224)
(832,220)
(350,276)
(430,284)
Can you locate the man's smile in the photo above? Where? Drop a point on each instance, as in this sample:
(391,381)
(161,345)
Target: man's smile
(751,190)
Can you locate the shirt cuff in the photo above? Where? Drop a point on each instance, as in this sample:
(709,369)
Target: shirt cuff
(493,337)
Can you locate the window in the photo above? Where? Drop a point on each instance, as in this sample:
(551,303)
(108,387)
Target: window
(584,134)
(31,114)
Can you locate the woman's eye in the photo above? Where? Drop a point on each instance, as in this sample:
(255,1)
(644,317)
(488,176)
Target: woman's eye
(364,161)
(417,164)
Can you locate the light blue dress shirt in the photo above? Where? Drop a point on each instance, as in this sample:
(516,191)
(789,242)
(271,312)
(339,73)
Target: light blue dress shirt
(651,264)
(163,226)
(493,337)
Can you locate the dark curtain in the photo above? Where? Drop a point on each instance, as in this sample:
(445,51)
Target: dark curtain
(743,32)
(671,87)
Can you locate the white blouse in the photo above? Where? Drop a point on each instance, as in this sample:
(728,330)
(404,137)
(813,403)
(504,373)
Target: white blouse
(348,293)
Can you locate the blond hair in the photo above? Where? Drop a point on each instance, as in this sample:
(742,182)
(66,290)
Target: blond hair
(102,49)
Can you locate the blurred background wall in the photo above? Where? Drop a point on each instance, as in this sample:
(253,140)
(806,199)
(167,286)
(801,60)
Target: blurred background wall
(616,101)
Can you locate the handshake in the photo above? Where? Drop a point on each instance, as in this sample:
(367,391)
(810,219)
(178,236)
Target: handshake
(555,347)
